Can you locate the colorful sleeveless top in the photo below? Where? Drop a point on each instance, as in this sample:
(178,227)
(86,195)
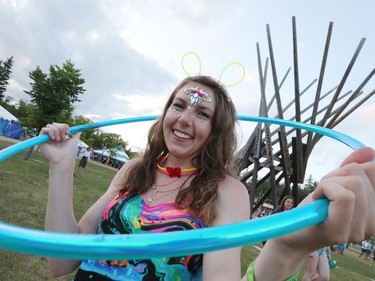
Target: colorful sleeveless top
(130,214)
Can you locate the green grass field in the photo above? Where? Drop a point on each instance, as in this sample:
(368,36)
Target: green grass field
(23,187)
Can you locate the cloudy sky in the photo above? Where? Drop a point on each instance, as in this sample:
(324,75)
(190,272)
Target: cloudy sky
(129,53)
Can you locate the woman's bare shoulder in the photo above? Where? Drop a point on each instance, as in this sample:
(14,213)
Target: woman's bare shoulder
(232,185)
(233,202)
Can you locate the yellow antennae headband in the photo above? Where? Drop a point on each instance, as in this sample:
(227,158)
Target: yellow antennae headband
(235,63)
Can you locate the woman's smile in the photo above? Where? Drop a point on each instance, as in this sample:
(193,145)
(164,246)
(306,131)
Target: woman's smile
(182,135)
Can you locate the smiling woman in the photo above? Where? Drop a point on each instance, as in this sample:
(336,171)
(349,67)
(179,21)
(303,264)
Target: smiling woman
(194,141)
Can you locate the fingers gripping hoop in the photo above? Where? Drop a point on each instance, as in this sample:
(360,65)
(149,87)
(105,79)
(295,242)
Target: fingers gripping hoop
(93,246)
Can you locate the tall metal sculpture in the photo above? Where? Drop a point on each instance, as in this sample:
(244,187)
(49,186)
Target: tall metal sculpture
(282,155)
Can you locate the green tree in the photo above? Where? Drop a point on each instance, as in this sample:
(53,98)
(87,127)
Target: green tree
(24,111)
(97,139)
(88,136)
(5,71)
(111,140)
(302,193)
(310,184)
(55,94)
(26,114)
(9,104)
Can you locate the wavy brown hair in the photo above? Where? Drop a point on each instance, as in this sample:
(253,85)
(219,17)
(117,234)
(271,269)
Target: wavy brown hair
(214,163)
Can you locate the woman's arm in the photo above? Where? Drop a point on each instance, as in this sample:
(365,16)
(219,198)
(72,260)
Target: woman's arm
(232,206)
(61,153)
(87,225)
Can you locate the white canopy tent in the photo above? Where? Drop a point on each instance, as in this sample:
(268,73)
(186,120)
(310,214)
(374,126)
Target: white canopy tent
(5,114)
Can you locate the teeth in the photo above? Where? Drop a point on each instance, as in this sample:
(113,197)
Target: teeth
(182,135)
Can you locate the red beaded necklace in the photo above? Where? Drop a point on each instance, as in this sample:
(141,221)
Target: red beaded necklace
(175,171)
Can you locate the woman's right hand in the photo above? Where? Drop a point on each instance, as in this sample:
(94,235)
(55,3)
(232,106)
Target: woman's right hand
(60,147)
(351,212)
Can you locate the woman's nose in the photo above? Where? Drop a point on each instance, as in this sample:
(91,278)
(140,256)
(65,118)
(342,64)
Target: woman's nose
(186,118)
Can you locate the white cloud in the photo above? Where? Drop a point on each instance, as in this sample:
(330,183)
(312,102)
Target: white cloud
(368,112)
(137,103)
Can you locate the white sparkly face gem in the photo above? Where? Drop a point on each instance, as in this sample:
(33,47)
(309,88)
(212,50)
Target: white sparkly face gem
(196,96)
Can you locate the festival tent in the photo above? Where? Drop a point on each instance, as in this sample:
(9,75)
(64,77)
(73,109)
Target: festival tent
(3,125)
(13,130)
(118,157)
(5,114)
(9,126)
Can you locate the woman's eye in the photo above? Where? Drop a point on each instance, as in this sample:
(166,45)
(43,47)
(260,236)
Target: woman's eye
(177,106)
(203,115)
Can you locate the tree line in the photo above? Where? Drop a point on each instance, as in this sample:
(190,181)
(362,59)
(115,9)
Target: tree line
(52,99)
(303,190)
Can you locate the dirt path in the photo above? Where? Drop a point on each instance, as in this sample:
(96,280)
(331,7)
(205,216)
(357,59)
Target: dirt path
(9,139)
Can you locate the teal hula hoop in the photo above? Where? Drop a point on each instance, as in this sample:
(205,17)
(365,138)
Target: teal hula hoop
(116,247)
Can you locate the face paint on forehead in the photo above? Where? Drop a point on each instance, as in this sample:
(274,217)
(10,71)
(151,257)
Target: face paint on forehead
(196,96)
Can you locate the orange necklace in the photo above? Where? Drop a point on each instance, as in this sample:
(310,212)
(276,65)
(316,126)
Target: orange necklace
(175,171)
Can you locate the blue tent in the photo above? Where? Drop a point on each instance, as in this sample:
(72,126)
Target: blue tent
(13,130)
(3,125)
(9,126)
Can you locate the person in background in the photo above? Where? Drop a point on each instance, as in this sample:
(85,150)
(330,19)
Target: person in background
(286,204)
(341,249)
(364,245)
(185,180)
(317,267)
(368,250)
(84,153)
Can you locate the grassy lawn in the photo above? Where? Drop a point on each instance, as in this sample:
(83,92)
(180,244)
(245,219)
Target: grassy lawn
(23,200)
(23,186)
(349,266)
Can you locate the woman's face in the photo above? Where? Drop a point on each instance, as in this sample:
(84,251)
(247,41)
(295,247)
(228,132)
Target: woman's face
(188,121)
(288,204)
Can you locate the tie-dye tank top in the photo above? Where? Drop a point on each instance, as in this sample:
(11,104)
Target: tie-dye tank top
(130,214)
